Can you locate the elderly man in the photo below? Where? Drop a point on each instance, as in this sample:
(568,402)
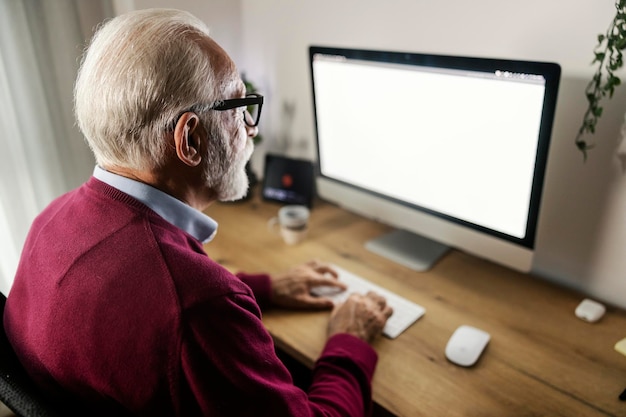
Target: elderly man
(115,302)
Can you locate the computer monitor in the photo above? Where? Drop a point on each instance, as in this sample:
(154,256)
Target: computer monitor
(451,151)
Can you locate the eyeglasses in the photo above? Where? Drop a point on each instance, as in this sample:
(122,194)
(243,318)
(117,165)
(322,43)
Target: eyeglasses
(252,102)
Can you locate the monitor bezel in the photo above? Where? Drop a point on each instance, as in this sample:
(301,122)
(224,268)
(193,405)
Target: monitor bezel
(551,73)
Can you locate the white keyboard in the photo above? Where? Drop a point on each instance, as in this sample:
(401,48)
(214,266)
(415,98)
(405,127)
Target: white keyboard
(405,312)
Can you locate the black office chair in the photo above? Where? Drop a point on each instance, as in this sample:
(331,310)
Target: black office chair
(17,391)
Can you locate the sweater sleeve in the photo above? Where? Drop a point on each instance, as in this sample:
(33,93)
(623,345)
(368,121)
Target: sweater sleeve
(261,286)
(345,363)
(229,367)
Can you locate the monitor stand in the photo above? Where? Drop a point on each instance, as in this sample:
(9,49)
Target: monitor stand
(408,249)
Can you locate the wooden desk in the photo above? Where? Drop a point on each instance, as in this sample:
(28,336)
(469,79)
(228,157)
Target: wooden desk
(541,361)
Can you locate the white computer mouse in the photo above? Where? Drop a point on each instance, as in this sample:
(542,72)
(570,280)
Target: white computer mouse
(466,345)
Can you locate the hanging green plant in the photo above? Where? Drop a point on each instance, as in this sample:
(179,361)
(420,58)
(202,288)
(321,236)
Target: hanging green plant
(609,58)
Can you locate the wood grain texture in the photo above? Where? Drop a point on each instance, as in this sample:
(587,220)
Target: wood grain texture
(541,360)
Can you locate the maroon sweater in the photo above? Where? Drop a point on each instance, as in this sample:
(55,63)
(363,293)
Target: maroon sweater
(114,305)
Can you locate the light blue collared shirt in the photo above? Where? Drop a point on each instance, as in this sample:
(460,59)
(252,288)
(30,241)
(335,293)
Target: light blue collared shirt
(181,215)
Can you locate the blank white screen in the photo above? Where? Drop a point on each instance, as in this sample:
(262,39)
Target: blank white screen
(458,145)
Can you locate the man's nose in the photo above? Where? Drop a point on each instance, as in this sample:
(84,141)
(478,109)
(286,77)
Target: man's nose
(252,131)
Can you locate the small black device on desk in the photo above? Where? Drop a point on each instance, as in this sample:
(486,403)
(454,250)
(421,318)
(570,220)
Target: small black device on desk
(288,180)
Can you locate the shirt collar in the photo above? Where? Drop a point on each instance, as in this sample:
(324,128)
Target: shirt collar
(181,215)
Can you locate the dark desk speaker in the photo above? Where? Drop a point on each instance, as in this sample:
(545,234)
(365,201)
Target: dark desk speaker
(288,181)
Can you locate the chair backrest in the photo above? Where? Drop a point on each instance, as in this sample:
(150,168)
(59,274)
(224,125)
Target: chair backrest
(17,390)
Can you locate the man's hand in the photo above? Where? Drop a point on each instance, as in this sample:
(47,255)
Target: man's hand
(363,316)
(293,288)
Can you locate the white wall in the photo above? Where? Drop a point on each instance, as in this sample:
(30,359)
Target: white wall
(582,237)
(222,16)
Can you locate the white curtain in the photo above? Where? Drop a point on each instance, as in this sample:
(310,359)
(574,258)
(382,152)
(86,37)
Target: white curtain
(42,153)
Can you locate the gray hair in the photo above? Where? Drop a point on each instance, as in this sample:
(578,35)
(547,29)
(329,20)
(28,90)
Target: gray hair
(140,71)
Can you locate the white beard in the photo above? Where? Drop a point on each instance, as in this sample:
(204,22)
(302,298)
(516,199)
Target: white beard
(234,184)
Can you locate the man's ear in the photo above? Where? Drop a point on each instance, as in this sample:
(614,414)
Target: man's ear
(187,139)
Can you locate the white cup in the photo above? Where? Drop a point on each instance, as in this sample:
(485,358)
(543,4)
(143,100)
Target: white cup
(293,223)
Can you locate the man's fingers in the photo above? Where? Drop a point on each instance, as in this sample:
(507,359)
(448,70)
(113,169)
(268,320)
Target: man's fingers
(327,282)
(318,302)
(380,301)
(322,268)
(387,311)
